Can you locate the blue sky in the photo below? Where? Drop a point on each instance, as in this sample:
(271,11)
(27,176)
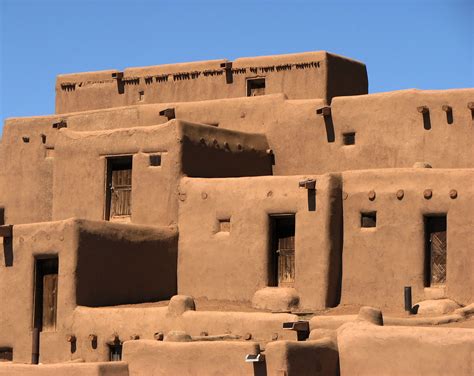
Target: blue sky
(427,44)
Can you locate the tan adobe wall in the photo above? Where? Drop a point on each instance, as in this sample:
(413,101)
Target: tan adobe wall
(378,262)
(306,75)
(145,320)
(29,241)
(366,349)
(72,369)
(67,240)
(389,133)
(302,358)
(239,259)
(193,359)
(197,150)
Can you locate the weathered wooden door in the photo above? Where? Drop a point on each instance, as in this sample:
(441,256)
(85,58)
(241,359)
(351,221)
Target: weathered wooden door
(436,250)
(283,250)
(50,301)
(119,189)
(121,194)
(45,301)
(438,257)
(286,261)
(46,294)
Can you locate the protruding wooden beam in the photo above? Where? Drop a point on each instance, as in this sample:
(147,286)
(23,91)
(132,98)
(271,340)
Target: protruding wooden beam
(324,111)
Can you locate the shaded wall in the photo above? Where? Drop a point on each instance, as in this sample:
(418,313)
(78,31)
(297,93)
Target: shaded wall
(378,262)
(125,264)
(211,152)
(239,259)
(303,75)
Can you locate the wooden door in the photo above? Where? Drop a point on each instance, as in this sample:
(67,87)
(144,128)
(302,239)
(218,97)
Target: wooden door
(282,258)
(50,301)
(121,194)
(119,189)
(286,261)
(45,294)
(438,257)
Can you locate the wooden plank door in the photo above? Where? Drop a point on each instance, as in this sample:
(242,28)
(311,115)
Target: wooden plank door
(286,261)
(438,257)
(121,194)
(50,301)
(282,257)
(118,195)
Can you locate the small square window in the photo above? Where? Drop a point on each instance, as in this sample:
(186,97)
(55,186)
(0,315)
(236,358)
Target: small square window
(155,160)
(224,225)
(368,219)
(349,138)
(255,86)
(49,153)
(6,354)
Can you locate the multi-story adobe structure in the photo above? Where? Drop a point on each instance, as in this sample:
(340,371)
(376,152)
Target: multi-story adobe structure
(256,194)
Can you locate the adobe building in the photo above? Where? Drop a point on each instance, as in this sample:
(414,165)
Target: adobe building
(263,216)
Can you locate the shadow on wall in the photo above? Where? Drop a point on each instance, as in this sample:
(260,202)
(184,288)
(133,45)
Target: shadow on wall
(336,221)
(7,241)
(330,135)
(112,271)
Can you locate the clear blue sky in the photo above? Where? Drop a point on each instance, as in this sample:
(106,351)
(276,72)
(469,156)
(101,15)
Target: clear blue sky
(427,44)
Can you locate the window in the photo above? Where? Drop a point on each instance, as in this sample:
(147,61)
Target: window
(141,96)
(155,160)
(348,138)
(6,354)
(255,86)
(49,152)
(224,225)
(282,250)
(436,247)
(115,352)
(119,189)
(368,219)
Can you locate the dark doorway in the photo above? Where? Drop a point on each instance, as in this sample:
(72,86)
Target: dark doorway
(115,352)
(255,87)
(6,354)
(282,250)
(45,298)
(435,250)
(118,195)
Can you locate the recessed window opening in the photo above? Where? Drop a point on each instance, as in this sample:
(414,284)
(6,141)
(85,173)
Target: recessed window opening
(6,354)
(115,352)
(255,87)
(141,95)
(155,160)
(436,249)
(449,114)
(348,138)
(49,152)
(368,219)
(281,270)
(224,225)
(118,188)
